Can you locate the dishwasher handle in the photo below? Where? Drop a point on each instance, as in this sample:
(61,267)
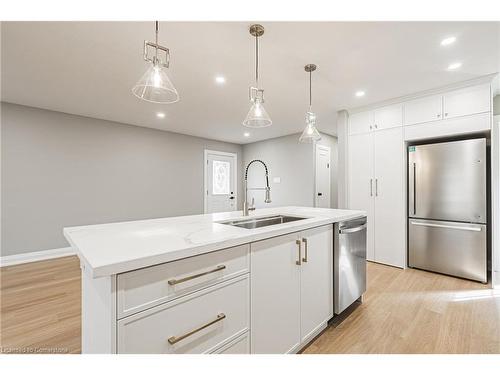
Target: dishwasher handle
(352,230)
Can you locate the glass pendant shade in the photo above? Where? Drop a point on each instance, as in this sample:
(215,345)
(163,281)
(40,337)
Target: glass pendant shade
(155,86)
(257,116)
(310,133)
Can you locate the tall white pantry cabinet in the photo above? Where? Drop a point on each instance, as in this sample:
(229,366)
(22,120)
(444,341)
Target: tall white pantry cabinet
(376,181)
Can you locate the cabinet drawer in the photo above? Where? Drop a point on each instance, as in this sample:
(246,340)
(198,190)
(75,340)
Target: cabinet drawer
(148,287)
(200,322)
(240,345)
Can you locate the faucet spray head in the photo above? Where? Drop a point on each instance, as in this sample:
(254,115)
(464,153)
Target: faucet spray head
(268,195)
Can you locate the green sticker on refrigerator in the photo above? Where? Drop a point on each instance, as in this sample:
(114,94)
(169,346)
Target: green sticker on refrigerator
(411,149)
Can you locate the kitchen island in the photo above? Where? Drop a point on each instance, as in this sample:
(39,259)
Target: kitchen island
(204,284)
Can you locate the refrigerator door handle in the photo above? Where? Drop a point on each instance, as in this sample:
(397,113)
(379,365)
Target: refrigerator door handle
(414,188)
(473,229)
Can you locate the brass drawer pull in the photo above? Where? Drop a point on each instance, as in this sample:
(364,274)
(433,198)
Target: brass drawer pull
(305,250)
(178,281)
(175,339)
(299,262)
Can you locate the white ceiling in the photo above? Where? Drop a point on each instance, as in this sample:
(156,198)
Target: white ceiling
(88,68)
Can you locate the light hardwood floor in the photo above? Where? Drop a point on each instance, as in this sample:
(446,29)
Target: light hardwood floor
(40,307)
(404,311)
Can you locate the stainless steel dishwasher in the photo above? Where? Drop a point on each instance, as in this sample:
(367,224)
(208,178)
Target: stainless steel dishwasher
(349,281)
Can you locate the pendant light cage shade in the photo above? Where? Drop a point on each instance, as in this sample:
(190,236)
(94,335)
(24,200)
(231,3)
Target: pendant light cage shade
(155,86)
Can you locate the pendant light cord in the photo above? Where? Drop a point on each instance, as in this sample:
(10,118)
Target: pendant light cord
(156,41)
(257,61)
(310,91)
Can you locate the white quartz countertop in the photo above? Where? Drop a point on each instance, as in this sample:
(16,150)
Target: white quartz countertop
(108,249)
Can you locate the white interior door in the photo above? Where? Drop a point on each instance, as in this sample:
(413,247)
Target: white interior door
(220,181)
(322,193)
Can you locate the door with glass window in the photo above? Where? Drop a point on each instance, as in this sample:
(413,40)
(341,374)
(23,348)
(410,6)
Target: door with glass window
(220,181)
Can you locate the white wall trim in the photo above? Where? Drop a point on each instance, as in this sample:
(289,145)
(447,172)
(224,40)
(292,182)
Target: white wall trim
(35,256)
(205,187)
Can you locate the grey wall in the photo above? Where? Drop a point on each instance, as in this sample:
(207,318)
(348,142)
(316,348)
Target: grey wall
(61,170)
(293,162)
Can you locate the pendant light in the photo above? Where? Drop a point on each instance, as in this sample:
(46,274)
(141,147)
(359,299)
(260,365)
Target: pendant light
(310,133)
(257,116)
(155,86)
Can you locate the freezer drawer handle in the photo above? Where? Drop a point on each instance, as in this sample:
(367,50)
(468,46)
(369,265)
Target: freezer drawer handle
(352,230)
(473,229)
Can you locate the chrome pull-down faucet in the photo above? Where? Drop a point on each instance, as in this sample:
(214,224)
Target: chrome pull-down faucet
(250,207)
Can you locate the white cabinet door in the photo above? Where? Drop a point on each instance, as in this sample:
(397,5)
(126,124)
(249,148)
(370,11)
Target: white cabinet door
(361,183)
(467,101)
(425,109)
(275,295)
(361,122)
(390,116)
(389,197)
(316,279)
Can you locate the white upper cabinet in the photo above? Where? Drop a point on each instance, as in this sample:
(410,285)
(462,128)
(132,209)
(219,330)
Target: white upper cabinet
(361,122)
(467,101)
(388,117)
(425,109)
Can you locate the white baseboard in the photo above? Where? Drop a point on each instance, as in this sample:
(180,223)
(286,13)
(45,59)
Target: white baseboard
(35,256)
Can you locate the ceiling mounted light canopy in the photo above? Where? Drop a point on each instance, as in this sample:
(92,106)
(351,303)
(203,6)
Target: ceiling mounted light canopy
(310,133)
(257,116)
(155,85)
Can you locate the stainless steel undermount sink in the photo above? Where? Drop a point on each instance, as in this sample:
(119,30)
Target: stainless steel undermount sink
(257,222)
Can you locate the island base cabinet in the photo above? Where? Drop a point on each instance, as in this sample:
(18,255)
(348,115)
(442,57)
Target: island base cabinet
(291,289)
(201,322)
(316,280)
(275,295)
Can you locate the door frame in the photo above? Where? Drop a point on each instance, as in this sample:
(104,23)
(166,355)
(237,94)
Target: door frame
(205,175)
(316,147)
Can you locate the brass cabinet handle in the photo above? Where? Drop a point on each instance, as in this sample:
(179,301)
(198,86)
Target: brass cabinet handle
(178,281)
(299,262)
(371,187)
(175,339)
(305,250)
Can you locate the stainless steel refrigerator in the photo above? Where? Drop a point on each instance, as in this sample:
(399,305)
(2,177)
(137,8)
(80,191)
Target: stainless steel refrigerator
(447,208)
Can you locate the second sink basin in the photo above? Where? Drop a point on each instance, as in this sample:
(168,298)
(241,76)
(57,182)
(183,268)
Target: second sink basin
(258,222)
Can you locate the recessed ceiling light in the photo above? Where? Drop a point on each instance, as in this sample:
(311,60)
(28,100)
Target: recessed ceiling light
(160,115)
(448,41)
(246,134)
(220,79)
(454,66)
(359,94)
